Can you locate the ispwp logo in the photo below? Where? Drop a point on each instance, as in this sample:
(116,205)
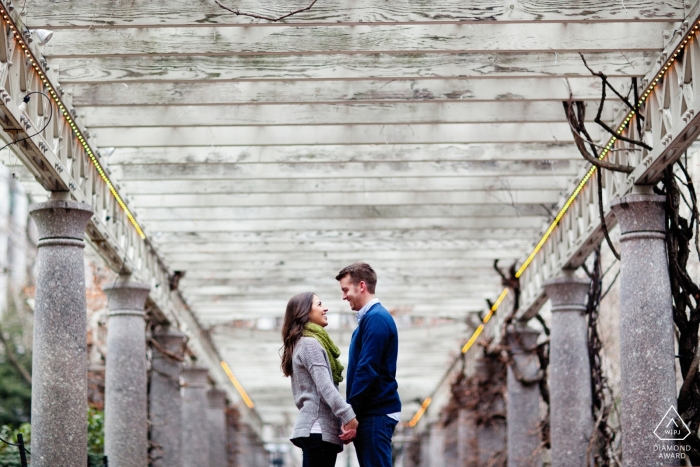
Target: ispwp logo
(672,427)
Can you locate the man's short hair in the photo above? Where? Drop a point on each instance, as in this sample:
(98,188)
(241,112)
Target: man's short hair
(360,272)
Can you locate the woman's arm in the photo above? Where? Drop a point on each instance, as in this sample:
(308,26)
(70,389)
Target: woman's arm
(314,358)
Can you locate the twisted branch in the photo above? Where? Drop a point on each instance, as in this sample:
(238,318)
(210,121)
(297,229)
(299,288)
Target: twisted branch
(237,12)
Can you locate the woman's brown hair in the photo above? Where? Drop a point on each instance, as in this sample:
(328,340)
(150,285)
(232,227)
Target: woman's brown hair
(295,318)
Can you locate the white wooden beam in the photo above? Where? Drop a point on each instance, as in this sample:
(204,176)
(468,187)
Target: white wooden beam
(339,134)
(532,223)
(156,13)
(340,255)
(398,169)
(377,38)
(308,213)
(412,198)
(555,180)
(200,94)
(389,233)
(333,114)
(340,153)
(127,69)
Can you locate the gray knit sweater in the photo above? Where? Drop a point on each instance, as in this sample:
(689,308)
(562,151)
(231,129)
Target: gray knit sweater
(315,394)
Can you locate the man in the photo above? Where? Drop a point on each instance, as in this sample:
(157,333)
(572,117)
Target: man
(371,376)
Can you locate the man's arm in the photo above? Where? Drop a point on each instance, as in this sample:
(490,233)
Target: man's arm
(374,338)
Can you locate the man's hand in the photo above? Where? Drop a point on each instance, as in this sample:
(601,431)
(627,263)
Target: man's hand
(349,431)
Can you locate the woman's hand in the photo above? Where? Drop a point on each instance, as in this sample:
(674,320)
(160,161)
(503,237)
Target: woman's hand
(349,431)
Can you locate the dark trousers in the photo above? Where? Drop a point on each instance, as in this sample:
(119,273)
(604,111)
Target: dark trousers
(373,441)
(317,453)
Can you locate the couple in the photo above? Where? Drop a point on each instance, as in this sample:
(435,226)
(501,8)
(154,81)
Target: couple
(310,357)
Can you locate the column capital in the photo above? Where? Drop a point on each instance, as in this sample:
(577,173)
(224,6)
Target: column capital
(567,293)
(126,297)
(216,398)
(523,339)
(171,340)
(60,219)
(640,213)
(195,376)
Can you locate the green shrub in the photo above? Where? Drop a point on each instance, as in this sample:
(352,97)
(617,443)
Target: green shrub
(9,455)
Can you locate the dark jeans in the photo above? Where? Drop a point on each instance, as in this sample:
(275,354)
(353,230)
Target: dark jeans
(317,453)
(373,441)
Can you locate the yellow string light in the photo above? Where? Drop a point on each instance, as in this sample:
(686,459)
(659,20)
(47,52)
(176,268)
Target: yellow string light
(237,385)
(421,411)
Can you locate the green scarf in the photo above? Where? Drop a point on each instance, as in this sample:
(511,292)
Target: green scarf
(320,334)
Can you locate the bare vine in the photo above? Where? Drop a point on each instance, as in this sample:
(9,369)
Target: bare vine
(237,12)
(601,449)
(686,297)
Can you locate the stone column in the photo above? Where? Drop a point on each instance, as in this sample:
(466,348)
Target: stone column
(165,404)
(571,420)
(437,444)
(59,360)
(646,328)
(216,415)
(523,407)
(195,430)
(126,380)
(6,267)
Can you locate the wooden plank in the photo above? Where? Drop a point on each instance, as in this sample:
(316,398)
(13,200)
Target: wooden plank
(290,257)
(333,265)
(218,171)
(340,185)
(126,69)
(544,181)
(349,245)
(334,114)
(225,293)
(340,134)
(310,212)
(369,91)
(107,13)
(194,278)
(380,38)
(386,198)
(524,224)
(220,312)
(185,236)
(341,153)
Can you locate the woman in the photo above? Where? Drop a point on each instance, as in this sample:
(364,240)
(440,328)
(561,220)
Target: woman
(311,358)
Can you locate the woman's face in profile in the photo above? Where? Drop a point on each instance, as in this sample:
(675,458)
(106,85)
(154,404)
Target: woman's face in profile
(317,315)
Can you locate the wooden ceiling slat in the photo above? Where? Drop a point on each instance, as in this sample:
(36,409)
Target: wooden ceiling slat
(364,39)
(309,212)
(340,134)
(126,69)
(342,154)
(353,92)
(333,114)
(107,13)
(524,223)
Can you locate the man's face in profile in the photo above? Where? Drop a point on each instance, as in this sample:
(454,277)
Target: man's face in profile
(351,292)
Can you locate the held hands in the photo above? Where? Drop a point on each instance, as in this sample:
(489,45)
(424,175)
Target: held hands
(349,431)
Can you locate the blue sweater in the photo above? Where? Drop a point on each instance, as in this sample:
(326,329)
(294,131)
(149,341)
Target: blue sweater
(371,377)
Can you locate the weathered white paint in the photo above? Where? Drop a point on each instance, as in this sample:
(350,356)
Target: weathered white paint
(334,114)
(392,38)
(105,13)
(556,88)
(127,69)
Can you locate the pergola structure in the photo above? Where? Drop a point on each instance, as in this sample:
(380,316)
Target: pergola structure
(233,162)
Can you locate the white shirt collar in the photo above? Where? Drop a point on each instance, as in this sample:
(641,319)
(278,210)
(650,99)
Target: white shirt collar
(363,311)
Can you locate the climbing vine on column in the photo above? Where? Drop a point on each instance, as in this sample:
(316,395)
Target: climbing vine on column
(686,293)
